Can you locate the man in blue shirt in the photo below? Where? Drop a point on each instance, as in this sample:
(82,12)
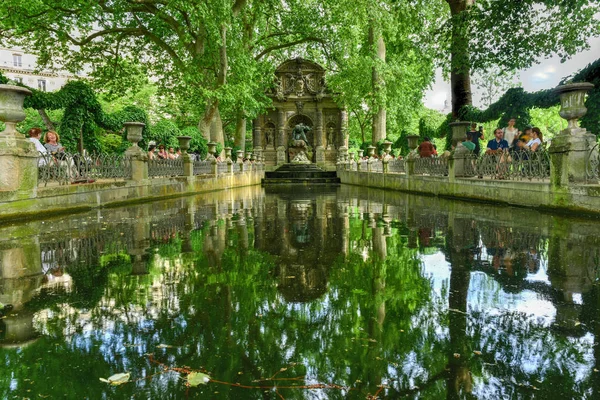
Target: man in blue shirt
(497,145)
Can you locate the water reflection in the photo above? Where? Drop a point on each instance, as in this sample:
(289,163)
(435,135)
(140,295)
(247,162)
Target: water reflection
(365,292)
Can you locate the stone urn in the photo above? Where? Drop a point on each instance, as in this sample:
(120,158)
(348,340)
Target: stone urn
(134,132)
(184,143)
(387,147)
(459,131)
(11,108)
(212,149)
(361,154)
(240,155)
(371,151)
(227,153)
(572,102)
(351,156)
(413,141)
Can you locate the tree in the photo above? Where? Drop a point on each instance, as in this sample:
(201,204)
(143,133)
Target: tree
(511,35)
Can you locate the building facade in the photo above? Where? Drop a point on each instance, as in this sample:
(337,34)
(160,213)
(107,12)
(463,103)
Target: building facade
(21,67)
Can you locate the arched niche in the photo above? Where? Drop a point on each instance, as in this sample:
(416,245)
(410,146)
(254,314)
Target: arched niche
(298,119)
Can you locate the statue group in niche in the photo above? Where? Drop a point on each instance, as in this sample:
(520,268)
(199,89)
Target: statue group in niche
(299,144)
(269,135)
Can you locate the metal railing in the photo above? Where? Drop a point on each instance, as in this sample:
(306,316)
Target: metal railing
(202,167)
(592,164)
(66,168)
(165,167)
(396,166)
(518,165)
(431,166)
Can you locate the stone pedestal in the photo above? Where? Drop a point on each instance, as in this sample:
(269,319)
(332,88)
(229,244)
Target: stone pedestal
(460,160)
(18,168)
(139,163)
(320,155)
(568,156)
(459,131)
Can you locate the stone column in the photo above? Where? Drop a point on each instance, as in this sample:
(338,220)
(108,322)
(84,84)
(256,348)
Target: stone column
(570,149)
(257,132)
(281,156)
(319,140)
(137,157)
(18,156)
(343,132)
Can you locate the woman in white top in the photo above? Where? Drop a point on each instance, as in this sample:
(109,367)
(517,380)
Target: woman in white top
(536,139)
(511,132)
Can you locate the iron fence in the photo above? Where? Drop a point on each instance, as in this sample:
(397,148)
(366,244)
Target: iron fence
(166,167)
(431,166)
(518,165)
(66,168)
(396,166)
(592,164)
(202,167)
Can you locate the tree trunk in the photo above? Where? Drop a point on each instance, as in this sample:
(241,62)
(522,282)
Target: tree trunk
(207,119)
(380,115)
(460,71)
(240,132)
(46,119)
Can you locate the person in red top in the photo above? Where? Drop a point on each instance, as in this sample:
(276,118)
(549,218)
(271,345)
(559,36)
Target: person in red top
(426,148)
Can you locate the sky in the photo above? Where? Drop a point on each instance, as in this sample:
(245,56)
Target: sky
(544,75)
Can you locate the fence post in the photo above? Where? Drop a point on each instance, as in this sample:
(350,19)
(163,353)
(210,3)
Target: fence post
(137,156)
(188,163)
(18,156)
(215,167)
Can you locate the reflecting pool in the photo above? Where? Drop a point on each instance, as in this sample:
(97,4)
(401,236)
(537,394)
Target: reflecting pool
(301,294)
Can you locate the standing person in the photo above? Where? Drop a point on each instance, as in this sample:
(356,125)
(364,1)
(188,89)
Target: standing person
(474,135)
(425,148)
(511,133)
(34,137)
(536,139)
(162,154)
(151,151)
(172,155)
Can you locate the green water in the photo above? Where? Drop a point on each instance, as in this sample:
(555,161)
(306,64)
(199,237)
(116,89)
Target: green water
(328,294)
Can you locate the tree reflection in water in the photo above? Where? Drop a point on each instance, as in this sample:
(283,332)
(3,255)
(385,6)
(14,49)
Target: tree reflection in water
(374,293)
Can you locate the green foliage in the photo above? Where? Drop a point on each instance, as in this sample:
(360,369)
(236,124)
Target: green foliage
(3,79)
(198,143)
(110,143)
(165,132)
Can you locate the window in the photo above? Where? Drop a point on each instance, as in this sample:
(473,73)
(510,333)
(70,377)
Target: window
(18,79)
(42,85)
(17,60)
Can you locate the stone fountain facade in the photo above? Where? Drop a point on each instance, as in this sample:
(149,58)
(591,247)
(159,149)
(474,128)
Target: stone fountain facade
(301,96)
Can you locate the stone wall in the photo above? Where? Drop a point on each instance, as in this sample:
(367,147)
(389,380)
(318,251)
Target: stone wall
(578,198)
(71,198)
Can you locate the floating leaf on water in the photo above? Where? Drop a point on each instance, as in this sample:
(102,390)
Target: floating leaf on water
(477,352)
(456,355)
(117,379)
(164,346)
(457,310)
(197,378)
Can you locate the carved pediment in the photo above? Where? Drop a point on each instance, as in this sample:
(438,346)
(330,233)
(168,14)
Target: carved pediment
(299,77)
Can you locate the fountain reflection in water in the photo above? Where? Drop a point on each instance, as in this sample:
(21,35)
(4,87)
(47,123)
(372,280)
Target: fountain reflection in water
(373,292)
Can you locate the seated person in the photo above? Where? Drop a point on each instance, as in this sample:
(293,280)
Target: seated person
(425,149)
(53,145)
(497,145)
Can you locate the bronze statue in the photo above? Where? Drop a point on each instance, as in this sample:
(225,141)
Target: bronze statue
(299,132)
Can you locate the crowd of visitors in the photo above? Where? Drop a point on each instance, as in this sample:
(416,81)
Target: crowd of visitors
(508,139)
(162,154)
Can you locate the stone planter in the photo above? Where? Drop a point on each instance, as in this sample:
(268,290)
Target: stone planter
(572,102)
(459,131)
(250,156)
(413,141)
(11,108)
(240,155)
(184,143)
(371,151)
(228,153)
(134,132)
(212,149)
(387,147)
(361,153)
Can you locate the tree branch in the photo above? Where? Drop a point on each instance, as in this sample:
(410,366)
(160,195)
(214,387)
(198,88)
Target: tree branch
(285,45)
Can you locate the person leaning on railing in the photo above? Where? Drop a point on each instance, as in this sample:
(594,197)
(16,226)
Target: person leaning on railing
(53,145)
(498,148)
(535,142)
